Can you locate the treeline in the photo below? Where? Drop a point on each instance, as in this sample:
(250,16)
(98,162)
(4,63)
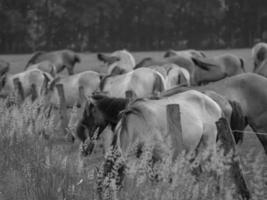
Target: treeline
(104,25)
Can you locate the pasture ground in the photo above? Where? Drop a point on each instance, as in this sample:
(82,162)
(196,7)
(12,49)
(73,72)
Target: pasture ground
(90,62)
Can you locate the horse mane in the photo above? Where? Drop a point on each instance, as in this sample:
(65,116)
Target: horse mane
(33,58)
(141,63)
(103,81)
(111,107)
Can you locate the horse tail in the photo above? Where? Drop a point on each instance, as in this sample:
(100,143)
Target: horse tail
(238,121)
(159,83)
(242,64)
(33,58)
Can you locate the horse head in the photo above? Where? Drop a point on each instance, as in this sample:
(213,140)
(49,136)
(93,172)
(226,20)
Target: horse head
(91,125)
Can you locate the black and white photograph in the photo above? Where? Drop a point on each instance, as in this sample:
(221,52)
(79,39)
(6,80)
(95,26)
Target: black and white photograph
(133,100)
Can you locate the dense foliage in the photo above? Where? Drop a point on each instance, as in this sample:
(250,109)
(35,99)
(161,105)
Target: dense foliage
(91,25)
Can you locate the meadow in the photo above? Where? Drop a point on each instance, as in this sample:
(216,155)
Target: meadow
(34,168)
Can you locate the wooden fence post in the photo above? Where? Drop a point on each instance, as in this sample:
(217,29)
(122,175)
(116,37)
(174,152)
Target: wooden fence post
(34,93)
(175,128)
(62,108)
(44,85)
(18,90)
(227,142)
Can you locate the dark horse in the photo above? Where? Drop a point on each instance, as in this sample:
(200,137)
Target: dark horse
(101,111)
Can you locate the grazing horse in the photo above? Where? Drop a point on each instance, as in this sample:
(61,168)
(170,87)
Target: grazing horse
(218,67)
(187,53)
(61,59)
(45,66)
(142,82)
(173,74)
(144,122)
(259,54)
(101,111)
(121,60)
(27,79)
(89,80)
(181,61)
(247,95)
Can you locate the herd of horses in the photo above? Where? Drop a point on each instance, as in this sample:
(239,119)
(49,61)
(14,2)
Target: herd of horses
(132,98)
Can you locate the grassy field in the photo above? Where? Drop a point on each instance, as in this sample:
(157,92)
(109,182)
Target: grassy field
(63,171)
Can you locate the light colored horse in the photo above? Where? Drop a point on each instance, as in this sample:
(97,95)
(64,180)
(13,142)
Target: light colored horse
(202,70)
(144,124)
(61,59)
(173,74)
(181,61)
(104,111)
(142,82)
(89,80)
(27,79)
(259,54)
(146,120)
(218,68)
(187,53)
(122,60)
(45,66)
(248,94)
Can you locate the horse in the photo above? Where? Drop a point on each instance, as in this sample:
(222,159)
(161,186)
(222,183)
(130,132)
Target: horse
(121,59)
(61,59)
(99,113)
(45,66)
(144,123)
(179,60)
(173,74)
(187,53)
(142,82)
(259,54)
(247,95)
(27,78)
(218,67)
(102,111)
(89,80)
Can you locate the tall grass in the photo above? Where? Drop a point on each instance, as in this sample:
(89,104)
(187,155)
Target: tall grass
(32,168)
